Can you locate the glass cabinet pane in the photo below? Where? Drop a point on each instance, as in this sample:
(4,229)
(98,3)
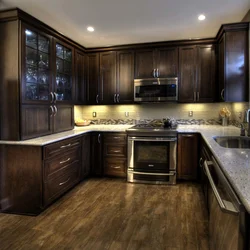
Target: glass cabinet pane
(37,66)
(64,73)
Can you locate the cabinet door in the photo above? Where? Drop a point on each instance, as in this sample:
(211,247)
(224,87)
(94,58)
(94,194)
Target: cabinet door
(64,77)
(205,91)
(96,154)
(92,72)
(85,156)
(187,156)
(36,66)
(63,118)
(144,64)
(80,85)
(236,66)
(125,77)
(221,68)
(167,62)
(36,121)
(187,79)
(108,77)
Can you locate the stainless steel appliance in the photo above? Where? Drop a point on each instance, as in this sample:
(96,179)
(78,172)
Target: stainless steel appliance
(152,154)
(227,217)
(156,89)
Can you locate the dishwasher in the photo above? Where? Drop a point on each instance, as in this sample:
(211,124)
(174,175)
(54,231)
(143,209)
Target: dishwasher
(227,216)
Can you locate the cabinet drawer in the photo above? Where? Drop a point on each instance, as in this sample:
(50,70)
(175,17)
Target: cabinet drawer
(115,167)
(115,138)
(61,147)
(115,150)
(55,166)
(57,186)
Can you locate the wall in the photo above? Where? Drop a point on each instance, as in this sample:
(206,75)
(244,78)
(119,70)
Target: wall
(153,111)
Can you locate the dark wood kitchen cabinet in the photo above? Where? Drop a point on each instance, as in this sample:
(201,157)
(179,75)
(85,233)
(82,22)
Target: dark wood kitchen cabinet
(233,59)
(38,175)
(187,166)
(96,154)
(108,77)
(85,156)
(160,62)
(37,79)
(115,154)
(125,77)
(94,88)
(197,66)
(80,96)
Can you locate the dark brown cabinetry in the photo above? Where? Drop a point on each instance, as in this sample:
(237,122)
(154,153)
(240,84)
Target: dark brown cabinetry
(80,96)
(96,154)
(187,167)
(197,67)
(161,62)
(37,80)
(233,60)
(85,156)
(115,154)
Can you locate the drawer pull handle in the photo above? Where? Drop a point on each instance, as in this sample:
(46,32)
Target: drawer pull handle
(117,137)
(62,183)
(116,167)
(115,151)
(65,146)
(61,162)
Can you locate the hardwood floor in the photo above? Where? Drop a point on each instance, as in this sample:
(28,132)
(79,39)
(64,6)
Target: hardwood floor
(112,214)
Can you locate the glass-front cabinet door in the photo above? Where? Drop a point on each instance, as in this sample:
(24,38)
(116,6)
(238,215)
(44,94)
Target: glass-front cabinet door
(36,66)
(64,73)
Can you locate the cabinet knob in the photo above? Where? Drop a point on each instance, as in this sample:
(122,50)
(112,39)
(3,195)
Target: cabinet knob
(114,97)
(118,98)
(154,72)
(222,94)
(97,97)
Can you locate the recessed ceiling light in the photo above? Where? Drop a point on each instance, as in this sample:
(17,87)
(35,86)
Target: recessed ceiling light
(90,29)
(28,32)
(201,17)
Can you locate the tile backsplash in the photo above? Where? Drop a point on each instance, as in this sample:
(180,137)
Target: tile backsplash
(206,111)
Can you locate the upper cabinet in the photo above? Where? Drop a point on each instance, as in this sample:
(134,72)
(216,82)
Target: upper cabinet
(110,77)
(161,62)
(197,73)
(233,60)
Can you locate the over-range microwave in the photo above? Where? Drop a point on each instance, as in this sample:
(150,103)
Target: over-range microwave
(156,89)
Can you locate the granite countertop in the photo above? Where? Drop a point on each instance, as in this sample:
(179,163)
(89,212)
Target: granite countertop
(235,163)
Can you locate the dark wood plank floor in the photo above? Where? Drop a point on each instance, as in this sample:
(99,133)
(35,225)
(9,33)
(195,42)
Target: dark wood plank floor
(113,214)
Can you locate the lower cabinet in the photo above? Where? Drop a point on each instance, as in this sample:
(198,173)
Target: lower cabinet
(85,172)
(115,154)
(96,154)
(187,167)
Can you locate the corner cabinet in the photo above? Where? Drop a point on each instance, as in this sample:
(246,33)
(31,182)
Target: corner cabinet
(233,60)
(197,67)
(37,82)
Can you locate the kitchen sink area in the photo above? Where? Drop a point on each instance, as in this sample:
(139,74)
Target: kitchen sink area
(233,141)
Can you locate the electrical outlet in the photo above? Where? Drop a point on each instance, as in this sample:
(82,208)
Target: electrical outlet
(190,113)
(126,114)
(94,114)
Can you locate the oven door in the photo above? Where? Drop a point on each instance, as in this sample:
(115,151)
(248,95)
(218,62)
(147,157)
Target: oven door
(151,158)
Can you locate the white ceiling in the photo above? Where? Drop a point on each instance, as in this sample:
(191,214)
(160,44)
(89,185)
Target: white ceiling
(132,21)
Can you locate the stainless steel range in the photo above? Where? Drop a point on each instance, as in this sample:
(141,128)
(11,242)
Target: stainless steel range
(152,154)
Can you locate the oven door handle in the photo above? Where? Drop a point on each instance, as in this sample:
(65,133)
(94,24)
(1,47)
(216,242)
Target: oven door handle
(146,173)
(159,139)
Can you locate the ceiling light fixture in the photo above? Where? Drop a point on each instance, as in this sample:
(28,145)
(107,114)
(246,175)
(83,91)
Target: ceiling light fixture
(90,29)
(28,33)
(201,17)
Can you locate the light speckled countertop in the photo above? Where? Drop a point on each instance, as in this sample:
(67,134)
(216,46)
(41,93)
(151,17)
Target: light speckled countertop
(235,163)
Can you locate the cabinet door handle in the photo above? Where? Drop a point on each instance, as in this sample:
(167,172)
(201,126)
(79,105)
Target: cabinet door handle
(62,183)
(154,72)
(99,138)
(97,97)
(200,162)
(118,98)
(222,94)
(114,97)
(198,96)
(248,115)
(115,151)
(116,167)
(55,97)
(65,146)
(61,162)
(52,110)
(55,110)
(52,97)
(116,137)
(157,72)
(194,96)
